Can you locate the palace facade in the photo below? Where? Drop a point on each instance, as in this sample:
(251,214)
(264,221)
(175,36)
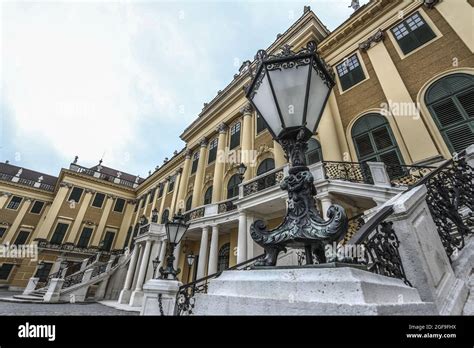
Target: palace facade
(403,103)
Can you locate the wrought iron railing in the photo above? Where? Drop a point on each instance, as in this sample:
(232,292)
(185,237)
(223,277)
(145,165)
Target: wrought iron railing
(226,206)
(354,224)
(407,175)
(380,246)
(358,172)
(450,199)
(185,298)
(73,279)
(194,214)
(44,244)
(263,182)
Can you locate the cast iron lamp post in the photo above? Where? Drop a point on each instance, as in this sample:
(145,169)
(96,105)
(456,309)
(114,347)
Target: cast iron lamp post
(290,90)
(241,169)
(190,259)
(154,215)
(175,231)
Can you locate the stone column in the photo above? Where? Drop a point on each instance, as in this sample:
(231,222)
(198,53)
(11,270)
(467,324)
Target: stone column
(183,184)
(125,293)
(242,238)
(137,265)
(143,266)
(459,15)
(214,250)
(38,227)
(176,254)
(413,131)
(341,135)
(328,136)
(103,220)
(4,198)
(251,245)
(325,204)
(220,163)
(278,155)
(25,205)
(246,147)
(162,204)
(79,217)
(198,180)
(53,211)
(177,183)
(122,234)
(162,256)
(201,271)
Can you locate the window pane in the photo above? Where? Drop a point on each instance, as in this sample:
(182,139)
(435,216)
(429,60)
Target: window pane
(2,231)
(382,138)
(59,233)
(14,203)
(119,205)
(85,237)
(412,33)
(5,270)
(22,238)
(108,239)
(447,113)
(76,194)
(364,146)
(98,200)
(467,102)
(37,207)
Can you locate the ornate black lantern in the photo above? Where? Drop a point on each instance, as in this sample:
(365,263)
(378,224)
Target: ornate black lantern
(190,258)
(175,231)
(241,169)
(143,220)
(290,90)
(154,215)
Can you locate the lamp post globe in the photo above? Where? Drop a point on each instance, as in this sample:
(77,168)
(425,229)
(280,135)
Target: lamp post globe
(175,230)
(290,91)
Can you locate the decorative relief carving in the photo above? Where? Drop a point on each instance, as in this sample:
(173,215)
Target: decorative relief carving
(246,110)
(372,40)
(222,128)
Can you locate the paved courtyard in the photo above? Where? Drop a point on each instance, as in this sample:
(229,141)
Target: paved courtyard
(11,308)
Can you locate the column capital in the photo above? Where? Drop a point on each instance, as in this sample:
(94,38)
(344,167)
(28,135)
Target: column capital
(222,128)
(188,153)
(246,110)
(65,184)
(8,194)
(203,142)
(179,171)
(89,191)
(430,3)
(372,40)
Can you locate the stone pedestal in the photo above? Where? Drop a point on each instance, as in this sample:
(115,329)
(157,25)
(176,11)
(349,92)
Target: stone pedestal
(168,289)
(31,286)
(309,291)
(54,289)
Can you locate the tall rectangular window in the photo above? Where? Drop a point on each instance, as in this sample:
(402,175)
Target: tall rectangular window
(22,238)
(261,124)
(350,72)
(212,150)
(108,240)
(85,237)
(161,189)
(152,195)
(59,233)
(43,273)
(14,203)
(235,135)
(2,231)
(412,33)
(76,194)
(119,205)
(195,162)
(37,207)
(171,183)
(98,200)
(5,270)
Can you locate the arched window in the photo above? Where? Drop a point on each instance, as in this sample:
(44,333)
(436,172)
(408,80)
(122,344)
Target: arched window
(233,186)
(374,140)
(313,154)
(165,216)
(223,259)
(266,165)
(189,202)
(450,101)
(208,195)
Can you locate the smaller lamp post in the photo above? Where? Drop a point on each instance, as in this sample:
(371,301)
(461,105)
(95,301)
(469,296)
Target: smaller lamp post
(155,262)
(175,231)
(241,171)
(154,215)
(190,259)
(143,220)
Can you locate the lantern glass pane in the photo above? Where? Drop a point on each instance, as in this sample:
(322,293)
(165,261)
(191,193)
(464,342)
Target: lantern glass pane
(265,104)
(290,90)
(172,229)
(318,93)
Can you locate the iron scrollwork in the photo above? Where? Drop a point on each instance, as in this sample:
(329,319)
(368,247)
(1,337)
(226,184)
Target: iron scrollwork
(302,226)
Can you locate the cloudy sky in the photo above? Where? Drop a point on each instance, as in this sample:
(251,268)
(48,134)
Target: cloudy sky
(121,80)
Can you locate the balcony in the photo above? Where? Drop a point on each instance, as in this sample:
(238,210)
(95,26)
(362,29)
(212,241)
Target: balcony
(107,177)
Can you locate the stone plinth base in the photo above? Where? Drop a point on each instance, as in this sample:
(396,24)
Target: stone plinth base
(309,291)
(168,289)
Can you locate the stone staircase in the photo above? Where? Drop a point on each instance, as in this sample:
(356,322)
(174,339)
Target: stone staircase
(74,287)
